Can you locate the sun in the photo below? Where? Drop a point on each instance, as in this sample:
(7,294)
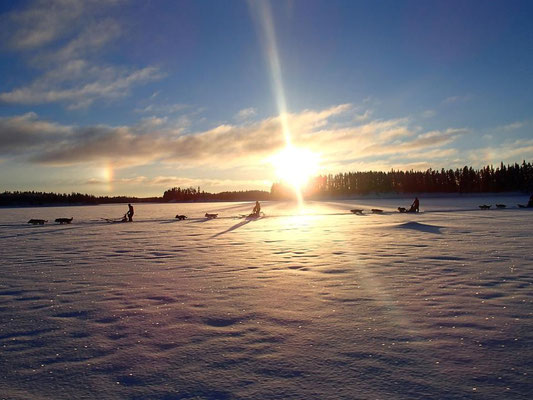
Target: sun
(296,166)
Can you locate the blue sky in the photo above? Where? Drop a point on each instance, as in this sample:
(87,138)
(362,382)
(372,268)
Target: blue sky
(134,97)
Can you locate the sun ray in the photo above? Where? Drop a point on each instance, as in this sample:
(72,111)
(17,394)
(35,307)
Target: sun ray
(286,165)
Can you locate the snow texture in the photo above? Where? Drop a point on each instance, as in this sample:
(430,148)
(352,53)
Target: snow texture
(311,304)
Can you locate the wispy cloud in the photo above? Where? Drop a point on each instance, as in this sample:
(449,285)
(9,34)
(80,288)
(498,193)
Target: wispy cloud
(457,99)
(41,23)
(513,126)
(225,146)
(179,181)
(510,151)
(91,39)
(435,154)
(66,38)
(246,114)
(95,82)
(364,116)
(162,109)
(428,114)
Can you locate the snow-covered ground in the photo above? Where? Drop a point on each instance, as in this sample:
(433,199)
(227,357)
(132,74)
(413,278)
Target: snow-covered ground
(317,304)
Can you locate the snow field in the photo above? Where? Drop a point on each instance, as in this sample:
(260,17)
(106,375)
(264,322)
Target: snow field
(314,304)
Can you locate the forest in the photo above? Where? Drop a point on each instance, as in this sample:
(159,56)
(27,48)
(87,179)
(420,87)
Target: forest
(32,198)
(177,194)
(504,178)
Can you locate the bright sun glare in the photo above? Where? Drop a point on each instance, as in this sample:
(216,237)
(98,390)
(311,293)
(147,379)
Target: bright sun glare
(296,165)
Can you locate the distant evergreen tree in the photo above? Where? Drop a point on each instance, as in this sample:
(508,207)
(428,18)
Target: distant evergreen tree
(503,178)
(178,194)
(41,198)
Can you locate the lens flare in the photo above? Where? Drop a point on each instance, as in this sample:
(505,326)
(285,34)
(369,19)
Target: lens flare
(295,166)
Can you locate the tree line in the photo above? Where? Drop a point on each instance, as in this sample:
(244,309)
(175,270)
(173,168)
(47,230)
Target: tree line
(32,198)
(504,178)
(177,194)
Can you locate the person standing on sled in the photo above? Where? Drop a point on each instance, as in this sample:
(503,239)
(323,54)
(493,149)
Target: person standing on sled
(415,207)
(130,213)
(257,209)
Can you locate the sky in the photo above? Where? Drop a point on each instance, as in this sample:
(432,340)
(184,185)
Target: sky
(134,97)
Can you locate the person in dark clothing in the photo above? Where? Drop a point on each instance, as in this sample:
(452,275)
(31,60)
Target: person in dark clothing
(257,209)
(130,213)
(415,207)
(530,202)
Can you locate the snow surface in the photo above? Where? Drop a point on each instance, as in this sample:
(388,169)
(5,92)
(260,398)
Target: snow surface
(321,304)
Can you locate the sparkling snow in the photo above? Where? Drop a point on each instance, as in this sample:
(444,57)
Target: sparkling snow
(316,303)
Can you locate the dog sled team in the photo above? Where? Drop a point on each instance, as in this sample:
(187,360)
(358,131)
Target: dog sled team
(59,221)
(415,207)
(256,212)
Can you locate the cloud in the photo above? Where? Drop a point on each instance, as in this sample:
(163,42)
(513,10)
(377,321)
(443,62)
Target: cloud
(428,114)
(392,156)
(150,124)
(41,23)
(102,143)
(100,181)
(457,99)
(66,38)
(226,146)
(162,108)
(26,132)
(364,116)
(146,142)
(513,126)
(510,151)
(245,114)
(211,183)
(435,154)
(183,182)
(377,138)
(112,83)
(421,141)
(90,39)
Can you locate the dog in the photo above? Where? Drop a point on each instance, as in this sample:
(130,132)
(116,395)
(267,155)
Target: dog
(211,216)
(62,221)
(376,211)
(357,211)
(181,217)
(501,205)
(402,209)
(37,221)
(484,207)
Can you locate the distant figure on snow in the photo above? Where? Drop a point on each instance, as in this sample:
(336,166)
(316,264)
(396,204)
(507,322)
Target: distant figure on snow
(415,207)
(257,209)
(530,202)
(130,213)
